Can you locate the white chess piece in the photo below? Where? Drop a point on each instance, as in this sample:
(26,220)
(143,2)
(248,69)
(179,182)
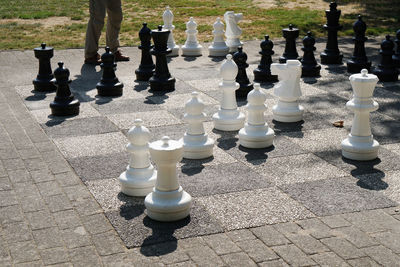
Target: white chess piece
(228,117)
(218,48)
(140,176)
(256,133)
(288,91)
(168,17)
(233,31)
(360,144)
(196,143)
(168,201)
(191,46)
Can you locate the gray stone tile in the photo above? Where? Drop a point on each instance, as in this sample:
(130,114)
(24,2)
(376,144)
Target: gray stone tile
(67,179)
(7,198)
(372,221)
(19,176)
(5,184)
(204,256)
(58,203)
(257,250)
(328,259)
(221,244)
(96,223)
(335,221)
(241,235)
(54,255)
(388,239)
(307,243)
(315,227)
(49,188)
(85,256)
(238,259)
(107,243)
(327,197)
(382,255)
(16,232)
(35,164)
(75,237)
(87,206)
(274,263)
(356,236)
(13,164)
(11,214)
(253,208)
(293,255)
(136,229)
(270,236)
(40,219)
(343,248)
(86,126)
(362,262)
(67,219)
(75,192)
(24,252)
(48,238)
(42,175)
(124,106)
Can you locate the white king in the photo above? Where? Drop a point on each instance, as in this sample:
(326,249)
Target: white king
(360,144)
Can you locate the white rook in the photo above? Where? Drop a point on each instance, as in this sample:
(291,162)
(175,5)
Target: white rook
(140,176)
(168,17)
(191,46)
(360,144)
(228,117)
(196,143)
(168,202)
(288,91)
(218,48)
(256,133)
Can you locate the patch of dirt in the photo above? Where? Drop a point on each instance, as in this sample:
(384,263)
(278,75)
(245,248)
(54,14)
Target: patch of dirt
(311,4)
(46,23)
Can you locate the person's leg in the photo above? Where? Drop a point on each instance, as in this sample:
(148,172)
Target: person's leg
(97,10)
(114,12)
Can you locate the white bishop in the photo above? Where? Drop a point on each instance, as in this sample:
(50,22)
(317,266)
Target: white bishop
(168,17)
(191,46)
(140,176)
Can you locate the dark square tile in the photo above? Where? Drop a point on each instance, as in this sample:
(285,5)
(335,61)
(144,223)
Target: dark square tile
(336,195)
(115,106)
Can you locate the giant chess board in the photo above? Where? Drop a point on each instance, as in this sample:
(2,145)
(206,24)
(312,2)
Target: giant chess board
(303,175)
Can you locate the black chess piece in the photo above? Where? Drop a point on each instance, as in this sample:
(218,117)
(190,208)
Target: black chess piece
(290,34)
(359,59)
(396,56)
(309,66)
(386,71)
(146,67)
(263,72)
(331,54)
(109,84)
(161,79)
(246,86)
(43,81)
(64,103)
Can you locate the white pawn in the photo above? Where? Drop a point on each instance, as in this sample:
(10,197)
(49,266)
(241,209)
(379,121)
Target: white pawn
(256,133)
(228,117)
(168,202)
(233,31)
(218,48)
(360,144)
(191,46)
(196,143)
(168,17)
(140,176)
(288,91)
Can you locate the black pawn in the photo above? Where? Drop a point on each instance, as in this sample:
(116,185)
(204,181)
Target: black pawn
(161,79)
(263,72)
(64,103)
(396,56)
(109,84)
(359,59)
(331,54)
(146,67)
(240,59)
(43,81)
(309,66)
(386,71)
(290,34)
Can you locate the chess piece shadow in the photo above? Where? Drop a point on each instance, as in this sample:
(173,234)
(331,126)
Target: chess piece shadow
(36,96)
(310,80)
(162,232)
(227,139)
(84,82)
(191,167)
(256,156)
(216,59)
(368,176)
(190,58)
(286,127)
(56,120)
(129,210)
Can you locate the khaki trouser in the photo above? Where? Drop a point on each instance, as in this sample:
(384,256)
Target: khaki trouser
(97,9)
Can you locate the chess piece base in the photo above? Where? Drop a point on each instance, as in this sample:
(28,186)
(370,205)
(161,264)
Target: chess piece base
(228,120)
(192,51)
(168,206)
(396,60)
(218,51)
(144,74)
(243,91)
(312,71)
(356,67)
(263,76)
(256,136)
(331,58)
(174,51)
(233,44)
(360,148)
(197,146)
(44,85)
(288,112)
(387,75)
(162,85)
(138,182)
(284,59)
(109,89)
(68,108)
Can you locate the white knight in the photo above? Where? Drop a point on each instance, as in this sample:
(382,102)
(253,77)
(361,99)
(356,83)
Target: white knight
(233,31)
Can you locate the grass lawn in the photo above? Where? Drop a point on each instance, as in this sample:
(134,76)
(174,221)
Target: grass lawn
(24,24)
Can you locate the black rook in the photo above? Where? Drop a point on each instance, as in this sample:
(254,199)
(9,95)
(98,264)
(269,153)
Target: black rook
(240,59)
(290,34)
(161,79)
(146,67)
(263,72)
(331,54)
(109,84)
(310,67)
(396,56)
(43,81)
(386,71)
(359,59)
(64,103)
